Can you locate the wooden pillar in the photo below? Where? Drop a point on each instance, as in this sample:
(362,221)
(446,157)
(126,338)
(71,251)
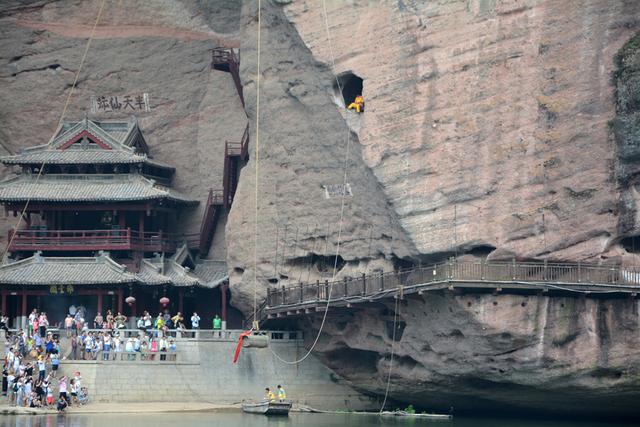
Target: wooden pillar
(4,303)
(99,302)
(181,300)
(120,299)
(121,217)
(223,301)
(23,311)
(141,225)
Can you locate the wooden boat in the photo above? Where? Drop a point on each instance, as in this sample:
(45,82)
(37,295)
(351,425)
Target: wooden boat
(267,408)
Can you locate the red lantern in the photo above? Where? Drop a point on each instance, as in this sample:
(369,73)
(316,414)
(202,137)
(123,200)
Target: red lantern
(130,300)
(164,301)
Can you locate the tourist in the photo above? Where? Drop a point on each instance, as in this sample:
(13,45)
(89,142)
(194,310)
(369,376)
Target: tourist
(217,326)
(158,324)
(98,321)
(41,368)
(5,374)
(177,319)
(120,320)
(106,348)
(74,392)
(11,390)
(49,390)
(88,345)
(128,347)
(110,320)
(195,321)
(148,321)
(74,348)
(62,388)
(172,346)
(32,316)
(281,393)
(43,323)
(4,325)
(62,404)
(55,362)
(68,325)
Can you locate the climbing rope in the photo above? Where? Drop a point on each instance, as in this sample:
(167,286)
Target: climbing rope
(342,204)
(64,111)
(393,342)
(257,157)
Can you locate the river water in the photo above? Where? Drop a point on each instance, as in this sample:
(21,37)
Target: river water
(242,420)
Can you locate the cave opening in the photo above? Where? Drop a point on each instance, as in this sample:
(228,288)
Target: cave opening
(631,244)
(351,86)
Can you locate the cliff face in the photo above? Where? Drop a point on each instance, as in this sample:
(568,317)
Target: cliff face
(491,353)
(492,128)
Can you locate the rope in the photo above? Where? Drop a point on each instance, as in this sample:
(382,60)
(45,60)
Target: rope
(257,157)
(393,342)
(64,111)
(342,204)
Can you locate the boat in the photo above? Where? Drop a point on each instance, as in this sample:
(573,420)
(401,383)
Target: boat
(266,407)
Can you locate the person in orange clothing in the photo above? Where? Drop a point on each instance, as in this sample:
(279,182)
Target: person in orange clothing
(357,104)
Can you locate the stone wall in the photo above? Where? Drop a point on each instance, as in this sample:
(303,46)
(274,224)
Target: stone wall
(204,372)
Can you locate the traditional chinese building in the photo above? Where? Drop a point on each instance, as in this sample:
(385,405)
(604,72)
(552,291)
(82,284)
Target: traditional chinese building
(101,223)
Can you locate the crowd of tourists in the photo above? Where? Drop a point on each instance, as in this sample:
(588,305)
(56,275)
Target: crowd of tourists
(29,373)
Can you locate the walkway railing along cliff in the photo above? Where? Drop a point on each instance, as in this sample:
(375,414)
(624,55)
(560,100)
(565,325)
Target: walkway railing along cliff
(522,275)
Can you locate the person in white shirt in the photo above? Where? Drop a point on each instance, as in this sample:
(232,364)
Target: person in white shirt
(195,321)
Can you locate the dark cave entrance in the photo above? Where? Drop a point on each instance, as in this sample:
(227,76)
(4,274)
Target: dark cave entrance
(351,86)
(631,244)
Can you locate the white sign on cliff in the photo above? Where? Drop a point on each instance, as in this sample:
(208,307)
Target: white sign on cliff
(337,190)
(120,103)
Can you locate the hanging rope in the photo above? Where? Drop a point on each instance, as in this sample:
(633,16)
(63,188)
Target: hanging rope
(64,112)
(393,343)
(342,204)
(257,157)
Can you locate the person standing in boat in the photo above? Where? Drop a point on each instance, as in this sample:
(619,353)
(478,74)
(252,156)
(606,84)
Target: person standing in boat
(281,393)
(268,395)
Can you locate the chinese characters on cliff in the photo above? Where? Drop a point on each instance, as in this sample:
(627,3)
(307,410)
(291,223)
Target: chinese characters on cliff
(120,104)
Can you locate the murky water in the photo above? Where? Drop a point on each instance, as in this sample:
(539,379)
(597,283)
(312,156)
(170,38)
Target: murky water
(242,420)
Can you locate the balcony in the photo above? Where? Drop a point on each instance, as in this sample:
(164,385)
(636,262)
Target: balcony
(93,240)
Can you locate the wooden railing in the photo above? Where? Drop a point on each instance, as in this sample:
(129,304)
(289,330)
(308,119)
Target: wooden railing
(535,274)
(215,201)
(78,240)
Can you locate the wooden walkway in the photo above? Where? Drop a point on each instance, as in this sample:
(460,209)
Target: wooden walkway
(514,277)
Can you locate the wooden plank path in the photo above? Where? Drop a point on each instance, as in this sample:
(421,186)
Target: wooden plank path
(514,277)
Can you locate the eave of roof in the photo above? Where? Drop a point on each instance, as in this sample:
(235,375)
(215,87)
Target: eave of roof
(87,188)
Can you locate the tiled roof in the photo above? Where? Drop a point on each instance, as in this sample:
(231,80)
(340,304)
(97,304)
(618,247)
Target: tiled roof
(39,270)
(86,188)
(174,272)
(211,273)
(99,270)
(72,156)
(117,136)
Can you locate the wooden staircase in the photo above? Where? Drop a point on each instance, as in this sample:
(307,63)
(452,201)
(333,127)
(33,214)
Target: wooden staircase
(225,59)
(236,154)
(210,218)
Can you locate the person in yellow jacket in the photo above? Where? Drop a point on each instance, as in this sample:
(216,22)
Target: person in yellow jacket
(357,104)
(268,395)
(281,393)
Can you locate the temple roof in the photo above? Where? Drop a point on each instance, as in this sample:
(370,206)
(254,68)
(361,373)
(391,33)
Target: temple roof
(39,270)
(165,270)
(86,188)
(98,270)
(90,142)
(211,273)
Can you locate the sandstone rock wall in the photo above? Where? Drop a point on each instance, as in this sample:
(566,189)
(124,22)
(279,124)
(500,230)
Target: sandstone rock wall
(492,353)
(486,120)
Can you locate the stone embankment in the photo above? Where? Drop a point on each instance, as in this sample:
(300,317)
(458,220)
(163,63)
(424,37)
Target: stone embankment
(203,374)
